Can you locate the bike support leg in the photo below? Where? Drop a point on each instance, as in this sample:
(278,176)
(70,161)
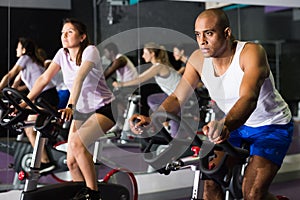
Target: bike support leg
(197,190)
(131,109)
(32,180)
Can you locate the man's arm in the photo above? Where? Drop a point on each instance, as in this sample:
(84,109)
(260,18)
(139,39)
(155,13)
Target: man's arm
(118,63)
(256,69)
(184,90)
(186,86)
(253,61)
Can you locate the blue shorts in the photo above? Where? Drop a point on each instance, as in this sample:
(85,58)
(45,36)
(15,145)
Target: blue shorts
(270,142)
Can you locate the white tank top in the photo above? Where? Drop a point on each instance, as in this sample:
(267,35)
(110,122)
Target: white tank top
(271,108)
(168,84)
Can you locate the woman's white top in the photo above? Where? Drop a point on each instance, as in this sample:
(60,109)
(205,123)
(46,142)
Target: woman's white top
(31,71)
(94,93)
(168,84)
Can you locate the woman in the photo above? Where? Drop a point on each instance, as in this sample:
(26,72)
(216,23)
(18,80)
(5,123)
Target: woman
(90,101)
(179,55)
(28,68)
(165,76)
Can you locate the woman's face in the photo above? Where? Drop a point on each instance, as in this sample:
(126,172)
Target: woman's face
(70,37)
(147,55)
(107,54)
(20,50)
(177,53)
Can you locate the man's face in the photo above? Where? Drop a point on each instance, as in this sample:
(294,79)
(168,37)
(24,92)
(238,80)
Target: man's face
(209,36)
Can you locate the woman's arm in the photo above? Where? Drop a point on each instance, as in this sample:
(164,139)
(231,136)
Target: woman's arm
(85,68)
(10,75)
(17,82)
(43,80)
(145,76)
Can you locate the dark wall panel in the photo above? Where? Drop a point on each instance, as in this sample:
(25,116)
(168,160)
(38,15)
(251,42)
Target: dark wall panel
(248,23)
(42,25)
(179,16)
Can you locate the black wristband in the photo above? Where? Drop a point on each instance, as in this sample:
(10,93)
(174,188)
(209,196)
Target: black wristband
(70,106)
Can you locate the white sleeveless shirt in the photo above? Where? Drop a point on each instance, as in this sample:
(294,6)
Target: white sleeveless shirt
(168,84)
(270,109)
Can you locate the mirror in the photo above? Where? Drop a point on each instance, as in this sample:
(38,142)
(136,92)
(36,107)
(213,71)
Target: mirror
(168,23)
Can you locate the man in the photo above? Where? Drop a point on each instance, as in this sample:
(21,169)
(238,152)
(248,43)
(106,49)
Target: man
(238,77)
(124,68)
(125,71)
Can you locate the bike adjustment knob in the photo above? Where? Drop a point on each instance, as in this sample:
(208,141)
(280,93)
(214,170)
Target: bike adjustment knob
(196,150)
(21,175)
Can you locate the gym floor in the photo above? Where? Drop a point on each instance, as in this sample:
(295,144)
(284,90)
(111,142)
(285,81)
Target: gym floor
(287,182)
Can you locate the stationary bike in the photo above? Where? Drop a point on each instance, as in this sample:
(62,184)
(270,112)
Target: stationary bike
(21,149)
(48,120)
(196,153)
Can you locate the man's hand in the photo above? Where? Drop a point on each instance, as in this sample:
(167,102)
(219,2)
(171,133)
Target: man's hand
(138,123)
(216,131)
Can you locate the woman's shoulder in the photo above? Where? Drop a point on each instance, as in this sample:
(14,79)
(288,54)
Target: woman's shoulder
(60,54)
(61,51)
(23,59)
(91,48)
(91,53)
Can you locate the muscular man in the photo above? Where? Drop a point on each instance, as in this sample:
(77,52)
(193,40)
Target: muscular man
(124,68)
(238,77)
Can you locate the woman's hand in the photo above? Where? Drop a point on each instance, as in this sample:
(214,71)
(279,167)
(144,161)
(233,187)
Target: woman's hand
(216,131)
(117,85)
(66,113)
(22,105)
(138,123)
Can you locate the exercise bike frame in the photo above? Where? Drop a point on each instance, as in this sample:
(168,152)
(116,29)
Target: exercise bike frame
(203,151)
(48,119)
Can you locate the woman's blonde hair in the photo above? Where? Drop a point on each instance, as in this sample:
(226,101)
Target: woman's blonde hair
(160,53)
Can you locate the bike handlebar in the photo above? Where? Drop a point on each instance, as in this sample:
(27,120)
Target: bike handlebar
(13,96)
(207,148)
(47,117)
